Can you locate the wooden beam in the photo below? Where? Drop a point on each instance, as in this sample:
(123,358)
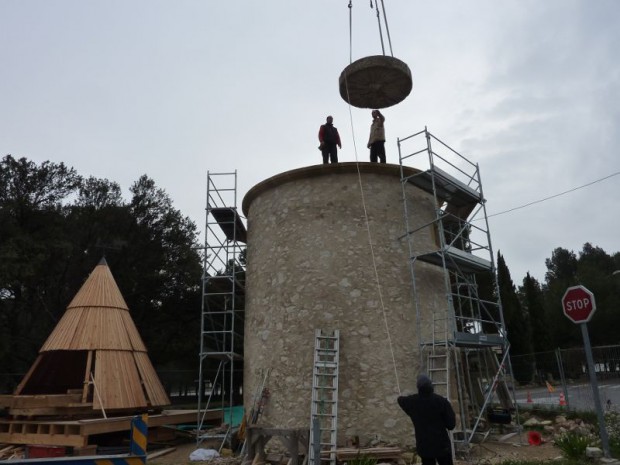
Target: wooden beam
(75,433)
(378,453)
(21,385)
(86,385)
(45,401)
(159,453)
(79,410)
(74,440)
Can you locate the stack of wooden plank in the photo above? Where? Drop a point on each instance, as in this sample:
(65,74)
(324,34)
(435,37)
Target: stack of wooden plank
(390,453)
(10,452)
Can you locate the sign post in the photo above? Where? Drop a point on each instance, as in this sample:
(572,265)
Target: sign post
(579,305)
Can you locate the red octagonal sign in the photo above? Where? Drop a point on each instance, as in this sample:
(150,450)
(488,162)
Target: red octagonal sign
(578,304)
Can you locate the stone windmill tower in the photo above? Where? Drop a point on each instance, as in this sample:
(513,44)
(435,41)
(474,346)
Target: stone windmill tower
(93,361)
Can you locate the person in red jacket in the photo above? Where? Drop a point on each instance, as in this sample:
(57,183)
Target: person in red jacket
(329,139)
(432,417)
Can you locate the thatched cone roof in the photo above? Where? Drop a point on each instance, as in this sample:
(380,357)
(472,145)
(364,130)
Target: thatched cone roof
(96,348)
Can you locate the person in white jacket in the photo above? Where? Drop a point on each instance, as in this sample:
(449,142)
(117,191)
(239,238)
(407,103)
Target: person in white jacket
(376,141)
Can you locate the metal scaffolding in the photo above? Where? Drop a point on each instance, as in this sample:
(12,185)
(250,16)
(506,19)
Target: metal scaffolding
(223,301)
(465,351)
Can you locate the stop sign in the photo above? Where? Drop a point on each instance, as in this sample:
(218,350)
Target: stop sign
(578,304)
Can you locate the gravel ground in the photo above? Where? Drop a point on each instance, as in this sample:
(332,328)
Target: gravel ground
(490,452)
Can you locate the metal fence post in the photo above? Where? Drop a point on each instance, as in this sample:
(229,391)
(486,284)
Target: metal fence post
(558,357)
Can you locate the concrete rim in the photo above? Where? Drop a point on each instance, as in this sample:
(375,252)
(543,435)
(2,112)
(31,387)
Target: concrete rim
(388,169)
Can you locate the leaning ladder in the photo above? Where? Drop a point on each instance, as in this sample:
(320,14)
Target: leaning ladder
(324,414)
(438,359)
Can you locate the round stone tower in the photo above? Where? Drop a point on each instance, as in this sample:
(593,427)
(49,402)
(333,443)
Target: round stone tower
(312,236)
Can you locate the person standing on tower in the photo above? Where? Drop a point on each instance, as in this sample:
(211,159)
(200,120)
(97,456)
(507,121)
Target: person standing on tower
(329,139)
(432,417)
(376,141)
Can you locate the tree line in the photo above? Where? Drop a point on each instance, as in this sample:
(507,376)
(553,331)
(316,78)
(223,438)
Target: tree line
(56,225)
(533,312)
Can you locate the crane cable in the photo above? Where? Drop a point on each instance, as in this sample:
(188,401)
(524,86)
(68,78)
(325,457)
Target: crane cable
(380,31)
(372,251)
(387,28)
(350,32)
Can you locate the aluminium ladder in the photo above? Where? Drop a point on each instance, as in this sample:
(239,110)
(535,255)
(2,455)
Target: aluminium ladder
(438,362)
(438,355)
(324,411)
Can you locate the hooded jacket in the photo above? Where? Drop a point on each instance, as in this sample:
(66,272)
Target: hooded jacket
(432,417)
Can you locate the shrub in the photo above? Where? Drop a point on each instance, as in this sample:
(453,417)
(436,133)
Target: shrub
(573,445)
(614,447)
(612,423)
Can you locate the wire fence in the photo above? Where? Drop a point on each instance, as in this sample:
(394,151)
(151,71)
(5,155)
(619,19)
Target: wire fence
(551,379)
(560,378)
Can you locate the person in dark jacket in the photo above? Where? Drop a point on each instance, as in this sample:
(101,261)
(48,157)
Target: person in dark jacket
(329,139)
(432,417)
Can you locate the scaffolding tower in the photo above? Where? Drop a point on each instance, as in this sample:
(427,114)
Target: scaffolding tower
(465,350)
(223,301)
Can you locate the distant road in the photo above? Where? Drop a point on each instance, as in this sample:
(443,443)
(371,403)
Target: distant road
(579,396)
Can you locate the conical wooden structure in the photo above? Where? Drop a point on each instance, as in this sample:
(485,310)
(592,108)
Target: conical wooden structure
(94,359)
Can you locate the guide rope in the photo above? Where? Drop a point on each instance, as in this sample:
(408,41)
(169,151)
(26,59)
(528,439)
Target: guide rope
(367,222)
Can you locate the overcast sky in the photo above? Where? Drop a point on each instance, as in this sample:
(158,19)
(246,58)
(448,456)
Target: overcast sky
(530,90)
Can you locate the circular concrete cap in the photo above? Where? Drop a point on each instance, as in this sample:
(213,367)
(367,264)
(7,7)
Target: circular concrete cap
(375,82)
(329,169)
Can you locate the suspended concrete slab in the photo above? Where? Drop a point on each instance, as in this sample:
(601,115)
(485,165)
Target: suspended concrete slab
(375,82)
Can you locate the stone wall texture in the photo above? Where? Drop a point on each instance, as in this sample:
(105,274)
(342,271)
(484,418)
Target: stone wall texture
(310,266)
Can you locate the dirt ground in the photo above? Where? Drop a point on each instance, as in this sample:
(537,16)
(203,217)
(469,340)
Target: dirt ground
(492,451)
(180,456)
